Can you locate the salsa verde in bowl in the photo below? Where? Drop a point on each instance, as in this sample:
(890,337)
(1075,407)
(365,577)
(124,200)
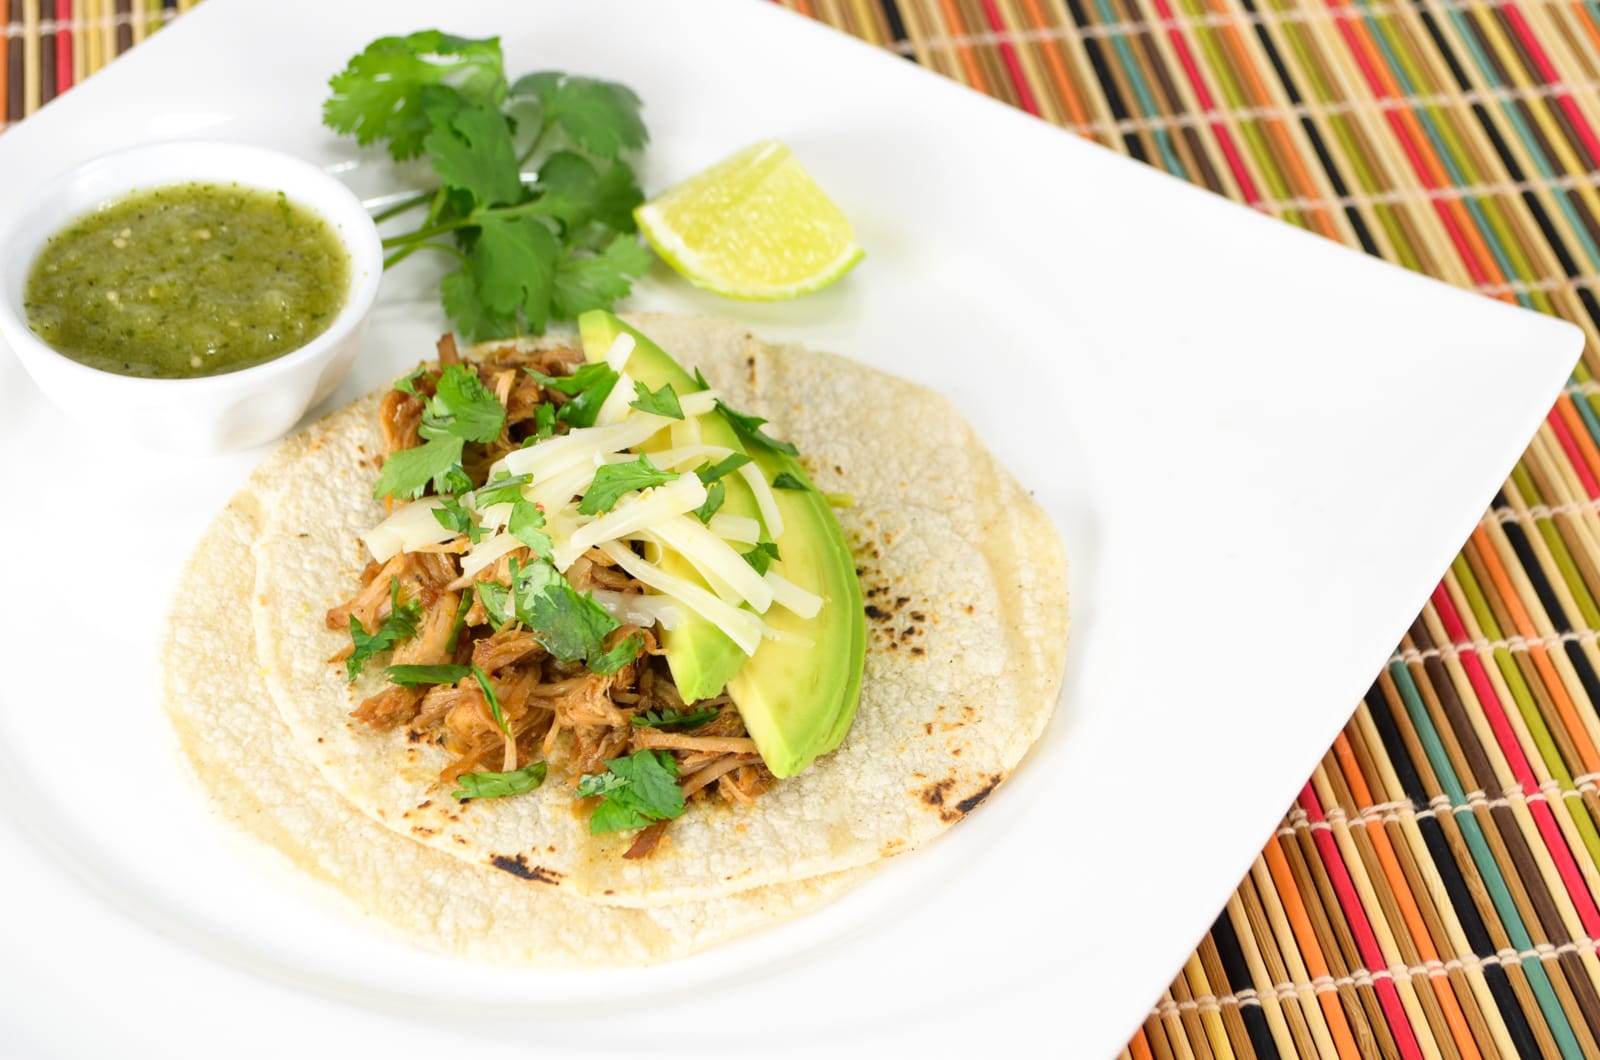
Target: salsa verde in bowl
(192,295)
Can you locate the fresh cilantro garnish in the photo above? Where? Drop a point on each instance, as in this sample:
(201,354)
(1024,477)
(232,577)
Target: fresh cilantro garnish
(634,791)
(426,675)
(786,481)
(602,117)
(537,233)
(454,517)
(459,623)
(527,526)
(461,410)
(400,624)
(505,489)
(663,402)
(673,719)
(761,556)
(716,493)
(407,472)
(496,600)
(464,407)
(407,384)
(544,423)
(588,387)
(748,428)
(709,473)
(615,658)
(611,481)
(382,93)
(489,696)
(568,623)
(594,281)
(500,785)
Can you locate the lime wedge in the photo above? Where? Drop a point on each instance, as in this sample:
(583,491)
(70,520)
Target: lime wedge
(753,226)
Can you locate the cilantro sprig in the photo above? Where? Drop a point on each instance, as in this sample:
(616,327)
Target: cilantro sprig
(483,785)
(611,481)
(400,624)
(535,196)
(673,719)
(634,791)
(461,410)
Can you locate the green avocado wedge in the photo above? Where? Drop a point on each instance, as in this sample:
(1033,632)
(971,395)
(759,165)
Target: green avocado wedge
(702,658)
(798,693)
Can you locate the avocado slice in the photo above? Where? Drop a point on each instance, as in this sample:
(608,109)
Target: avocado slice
(798,693)
(700,656)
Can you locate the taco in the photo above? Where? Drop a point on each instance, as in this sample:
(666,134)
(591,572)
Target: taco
(246,761)
(580,613)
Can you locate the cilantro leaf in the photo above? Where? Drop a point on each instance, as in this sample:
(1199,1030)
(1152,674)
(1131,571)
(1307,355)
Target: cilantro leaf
(463,406)
(588,387)
(426,675)
(709,473)
(611,481)
(454,517)
(716,493)
(496,600)
(761,556)
(616,657)
(400,624)
(512,269)
(489,697)
(465,307)
(407,384)
(673,719)
(458,623)
(748,428)
(544,422)
(593,281)
(471,149)
(407,472)
(663,402)
(635,790)
(577,194)
(786,481)
(526,525)
(379,94)
(505,489)
(500,785)
(568,623)
(602,117)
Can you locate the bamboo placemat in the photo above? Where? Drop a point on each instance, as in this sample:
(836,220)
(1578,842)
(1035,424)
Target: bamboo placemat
(1435,889)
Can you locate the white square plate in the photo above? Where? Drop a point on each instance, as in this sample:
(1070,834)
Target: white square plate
(1222,414)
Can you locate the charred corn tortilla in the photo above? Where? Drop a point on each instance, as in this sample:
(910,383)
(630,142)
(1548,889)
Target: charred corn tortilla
(966,594)
(250,766)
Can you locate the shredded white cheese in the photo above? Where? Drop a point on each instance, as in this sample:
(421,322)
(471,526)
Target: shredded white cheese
(714,558)
(621,349)
(764,499)
(407,529)
(486,552)
(683,494)
(618,403)
(802,602)
(643,610)
(742,627)
(739,528)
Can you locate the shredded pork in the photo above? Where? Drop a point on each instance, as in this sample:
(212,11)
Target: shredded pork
(554,711)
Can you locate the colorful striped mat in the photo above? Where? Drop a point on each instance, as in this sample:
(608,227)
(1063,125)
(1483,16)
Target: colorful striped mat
(1435,889)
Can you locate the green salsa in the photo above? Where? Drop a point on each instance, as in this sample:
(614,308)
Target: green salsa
(188,280)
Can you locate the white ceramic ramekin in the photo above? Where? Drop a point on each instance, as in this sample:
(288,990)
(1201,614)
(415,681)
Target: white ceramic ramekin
(215,413)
